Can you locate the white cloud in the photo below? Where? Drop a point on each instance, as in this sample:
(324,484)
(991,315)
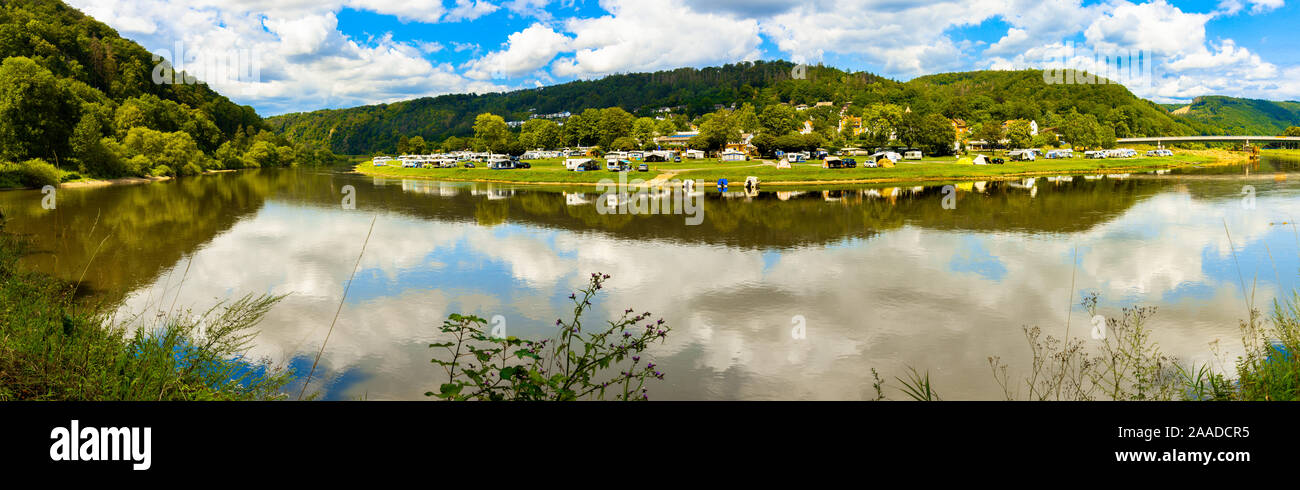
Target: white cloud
(1155,27)
(304,61)
(1232,7)
(526,51)
(470,10)
(905,38)
(429,46)
(641,36)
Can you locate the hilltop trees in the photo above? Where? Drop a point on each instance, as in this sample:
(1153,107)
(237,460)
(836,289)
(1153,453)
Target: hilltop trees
(37,112)
(75,95)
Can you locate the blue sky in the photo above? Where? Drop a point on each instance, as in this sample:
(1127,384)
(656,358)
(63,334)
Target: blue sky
(314,54)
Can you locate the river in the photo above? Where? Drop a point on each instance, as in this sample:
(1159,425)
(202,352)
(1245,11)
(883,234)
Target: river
(877,277)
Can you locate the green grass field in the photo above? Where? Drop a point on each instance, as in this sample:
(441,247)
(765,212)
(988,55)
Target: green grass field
(710,170)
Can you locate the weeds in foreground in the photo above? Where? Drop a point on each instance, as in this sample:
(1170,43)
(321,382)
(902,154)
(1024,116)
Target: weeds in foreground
(1124,365)
(52,350)
(482,367)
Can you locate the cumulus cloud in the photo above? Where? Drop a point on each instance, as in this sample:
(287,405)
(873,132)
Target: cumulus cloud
(308,61)
(526,50)
(300,59)
(1183,60)
(641,36)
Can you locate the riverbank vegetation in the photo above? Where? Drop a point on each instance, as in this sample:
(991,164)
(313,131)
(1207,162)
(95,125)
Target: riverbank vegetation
(52,347)
(576,365)
(1122,363)
(77,98)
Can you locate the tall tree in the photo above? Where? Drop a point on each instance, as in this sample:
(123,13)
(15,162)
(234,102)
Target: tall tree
(491,130)
(37,113)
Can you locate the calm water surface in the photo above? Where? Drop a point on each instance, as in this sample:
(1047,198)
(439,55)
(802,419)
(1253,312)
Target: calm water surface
(883,277)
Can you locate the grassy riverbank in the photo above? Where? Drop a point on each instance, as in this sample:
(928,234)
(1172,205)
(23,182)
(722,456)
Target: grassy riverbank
(551,171)
(52,347)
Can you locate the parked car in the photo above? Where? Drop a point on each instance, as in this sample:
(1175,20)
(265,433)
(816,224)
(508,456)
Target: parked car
(523,164)
(642,168)
(469,164)
(850,163)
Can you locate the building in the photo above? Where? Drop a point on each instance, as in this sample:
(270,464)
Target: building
(680,138)
(851,122)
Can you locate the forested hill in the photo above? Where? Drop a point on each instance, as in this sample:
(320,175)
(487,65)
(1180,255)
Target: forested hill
(974,96)
(78,99)
(1003,95)
(690,91)
(1240,116)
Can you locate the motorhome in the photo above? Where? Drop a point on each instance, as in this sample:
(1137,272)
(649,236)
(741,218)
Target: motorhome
(1160,153)
(912,155)
(1055,154)
(581,164)
(733,156)
(381,161)
(1021,155)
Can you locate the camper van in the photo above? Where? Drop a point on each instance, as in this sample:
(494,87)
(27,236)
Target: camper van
(581,164)
(1094,154)
(893,157)
(1021,155)
(733,156)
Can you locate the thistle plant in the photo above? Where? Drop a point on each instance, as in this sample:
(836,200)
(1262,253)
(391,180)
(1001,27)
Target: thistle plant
(577,364)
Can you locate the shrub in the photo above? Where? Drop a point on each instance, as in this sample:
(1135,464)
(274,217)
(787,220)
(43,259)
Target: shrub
(191,169)
(482,367)
(162,171)
(37,173)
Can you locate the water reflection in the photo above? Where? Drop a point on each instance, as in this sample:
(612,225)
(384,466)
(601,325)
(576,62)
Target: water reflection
(885,276)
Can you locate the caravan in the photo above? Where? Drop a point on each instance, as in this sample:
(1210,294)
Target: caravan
(581,164)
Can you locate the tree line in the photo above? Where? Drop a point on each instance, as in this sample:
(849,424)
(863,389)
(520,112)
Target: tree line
(78,100)
(978,98)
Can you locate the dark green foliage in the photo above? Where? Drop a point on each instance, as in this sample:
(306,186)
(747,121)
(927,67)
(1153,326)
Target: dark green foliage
(1231,115)
(569,367)
(72,92)
(976,97)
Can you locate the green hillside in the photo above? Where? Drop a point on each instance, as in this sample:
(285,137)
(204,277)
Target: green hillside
(975,97)
(78,100)
(1233,115)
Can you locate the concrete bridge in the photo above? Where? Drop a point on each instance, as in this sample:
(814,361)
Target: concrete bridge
(1259,140)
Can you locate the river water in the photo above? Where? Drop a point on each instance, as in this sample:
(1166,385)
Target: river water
(876,277)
